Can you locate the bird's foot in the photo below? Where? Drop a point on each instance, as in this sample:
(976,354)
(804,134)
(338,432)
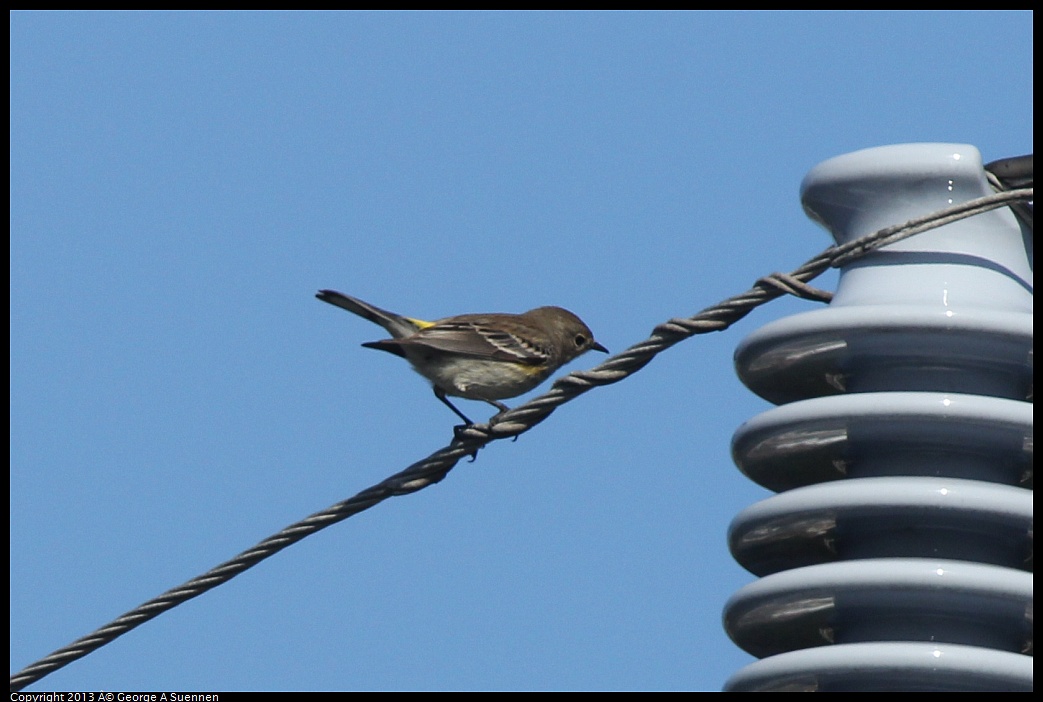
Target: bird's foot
(458,435)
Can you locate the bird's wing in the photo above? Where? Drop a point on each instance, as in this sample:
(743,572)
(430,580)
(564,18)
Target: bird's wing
(478,340)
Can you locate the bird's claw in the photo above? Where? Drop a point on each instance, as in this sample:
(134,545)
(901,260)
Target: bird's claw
(458,435)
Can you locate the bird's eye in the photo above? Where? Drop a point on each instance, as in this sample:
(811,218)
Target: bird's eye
(580,340)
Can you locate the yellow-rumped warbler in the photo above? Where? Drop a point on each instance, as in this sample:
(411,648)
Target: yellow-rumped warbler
(487,357)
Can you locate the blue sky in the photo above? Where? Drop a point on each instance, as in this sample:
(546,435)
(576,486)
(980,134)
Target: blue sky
(183,183)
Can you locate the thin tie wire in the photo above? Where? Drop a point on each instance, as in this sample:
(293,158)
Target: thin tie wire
(520,419)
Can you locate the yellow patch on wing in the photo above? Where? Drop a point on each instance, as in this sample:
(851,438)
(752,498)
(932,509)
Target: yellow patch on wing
(421,324)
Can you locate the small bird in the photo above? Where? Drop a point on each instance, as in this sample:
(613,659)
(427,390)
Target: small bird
(488,357)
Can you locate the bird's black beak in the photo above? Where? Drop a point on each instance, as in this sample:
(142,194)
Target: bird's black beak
(598,347)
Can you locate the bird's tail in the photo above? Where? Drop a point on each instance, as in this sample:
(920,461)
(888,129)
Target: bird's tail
(397,325)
